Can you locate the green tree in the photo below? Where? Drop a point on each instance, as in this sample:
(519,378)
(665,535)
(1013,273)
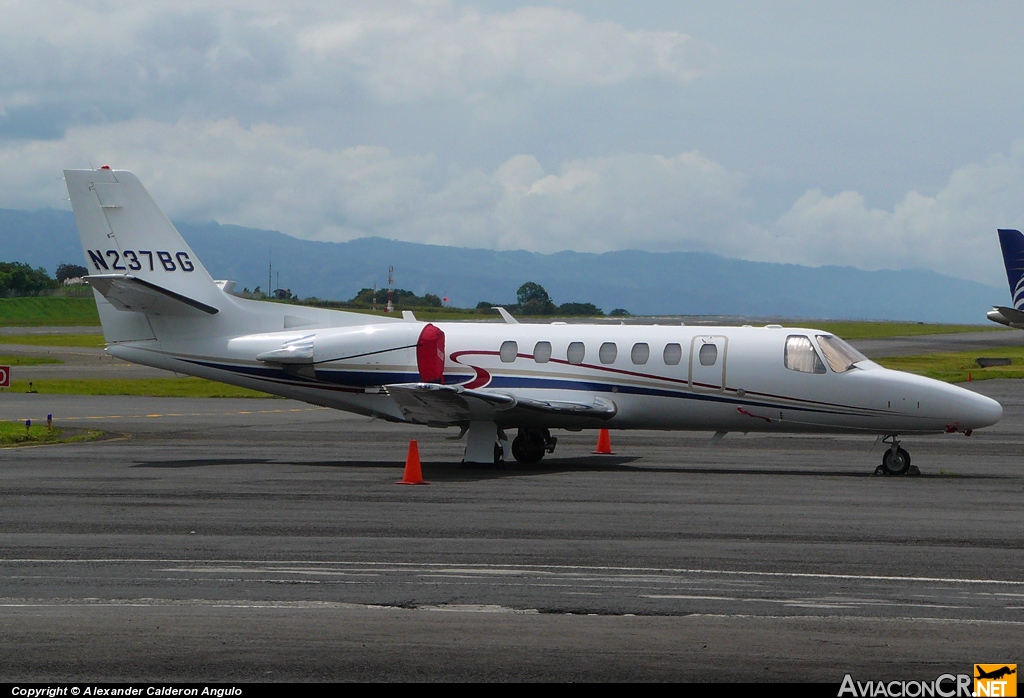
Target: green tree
(67,271)
(588,309)
(534,300)
(19,279)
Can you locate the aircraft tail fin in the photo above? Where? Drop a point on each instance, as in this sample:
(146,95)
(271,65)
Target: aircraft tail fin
(1012,243)
(138,262)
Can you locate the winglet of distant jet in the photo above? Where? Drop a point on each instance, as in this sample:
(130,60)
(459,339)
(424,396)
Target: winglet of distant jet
(1012,242)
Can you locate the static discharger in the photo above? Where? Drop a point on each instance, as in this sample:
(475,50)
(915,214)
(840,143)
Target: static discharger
(604,444)
(413,473)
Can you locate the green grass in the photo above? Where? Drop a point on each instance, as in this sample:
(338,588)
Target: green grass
(875,330)
(43,311)
(93,341)
(954,367)
(14,360)
(15,434)
(144,387)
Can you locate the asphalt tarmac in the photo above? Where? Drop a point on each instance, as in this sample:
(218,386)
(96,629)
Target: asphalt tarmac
(255,540)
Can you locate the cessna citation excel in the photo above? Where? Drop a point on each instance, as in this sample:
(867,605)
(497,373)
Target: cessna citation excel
(161,308)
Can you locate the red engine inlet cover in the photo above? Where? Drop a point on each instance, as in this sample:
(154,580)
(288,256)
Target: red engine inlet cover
(430,355)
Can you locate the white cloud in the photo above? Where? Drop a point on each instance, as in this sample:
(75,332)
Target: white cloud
(93,62)
(436,50)
(269,176)
(952,232)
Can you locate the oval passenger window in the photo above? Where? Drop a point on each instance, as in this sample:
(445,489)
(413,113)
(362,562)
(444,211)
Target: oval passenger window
(708,355)
(509,351)
(641,352)
(673,353)
(542,352)
(576,352)
(608,352)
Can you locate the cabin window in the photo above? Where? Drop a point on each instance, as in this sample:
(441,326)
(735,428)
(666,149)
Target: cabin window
(840,355)
(608,352)
(542,352)
(509,351)
(673,354)
(640,354)
(800,355)
(708,355)
(576,352)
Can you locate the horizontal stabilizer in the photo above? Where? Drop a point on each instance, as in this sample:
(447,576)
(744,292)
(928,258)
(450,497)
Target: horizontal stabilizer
(429,403)
(126,292)
(1012,315)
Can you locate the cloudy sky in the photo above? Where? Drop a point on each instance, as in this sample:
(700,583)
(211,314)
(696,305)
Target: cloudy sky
(879,135)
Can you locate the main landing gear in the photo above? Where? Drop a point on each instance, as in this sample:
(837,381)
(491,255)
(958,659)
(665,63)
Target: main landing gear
(487,443)
(530,445)
(895,460)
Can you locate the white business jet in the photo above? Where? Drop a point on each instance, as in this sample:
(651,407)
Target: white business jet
(160,307)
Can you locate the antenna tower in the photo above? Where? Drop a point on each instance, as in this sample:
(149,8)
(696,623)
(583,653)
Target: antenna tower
(391,289)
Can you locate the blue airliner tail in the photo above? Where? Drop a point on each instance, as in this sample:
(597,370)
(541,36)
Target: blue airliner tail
(1012,242)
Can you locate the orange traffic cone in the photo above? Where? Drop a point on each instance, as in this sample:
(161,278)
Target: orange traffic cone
(413,474)
(604,444)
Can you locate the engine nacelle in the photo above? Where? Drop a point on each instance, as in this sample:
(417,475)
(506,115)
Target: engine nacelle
(392,344)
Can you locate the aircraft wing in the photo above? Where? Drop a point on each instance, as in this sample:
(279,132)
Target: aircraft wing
(126,292)
(429,403)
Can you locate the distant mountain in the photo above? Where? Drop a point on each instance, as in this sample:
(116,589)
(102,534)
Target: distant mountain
(669,283)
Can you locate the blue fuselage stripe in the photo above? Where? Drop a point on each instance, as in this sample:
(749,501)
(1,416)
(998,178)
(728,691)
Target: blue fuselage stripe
(363,379)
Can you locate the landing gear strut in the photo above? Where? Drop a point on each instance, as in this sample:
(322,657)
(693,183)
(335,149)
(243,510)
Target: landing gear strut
(530,445)
(895,460)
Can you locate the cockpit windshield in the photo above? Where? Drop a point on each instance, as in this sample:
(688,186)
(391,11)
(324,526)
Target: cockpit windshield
(840,355)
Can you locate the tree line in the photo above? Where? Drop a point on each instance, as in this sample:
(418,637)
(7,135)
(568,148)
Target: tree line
(19,279)
(533,299)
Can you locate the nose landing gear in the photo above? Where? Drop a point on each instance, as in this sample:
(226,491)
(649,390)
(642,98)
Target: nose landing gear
(895,460)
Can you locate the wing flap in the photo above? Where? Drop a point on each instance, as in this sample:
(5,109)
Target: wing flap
(126,292)
(601,408)
(432,404)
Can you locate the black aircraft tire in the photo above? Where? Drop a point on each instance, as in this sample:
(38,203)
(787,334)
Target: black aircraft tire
(898,465)
(527,449)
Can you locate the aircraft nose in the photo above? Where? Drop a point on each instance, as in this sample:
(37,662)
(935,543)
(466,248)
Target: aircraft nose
(979,411)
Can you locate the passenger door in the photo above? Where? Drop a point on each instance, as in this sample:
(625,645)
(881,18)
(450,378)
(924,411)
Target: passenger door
(707,363)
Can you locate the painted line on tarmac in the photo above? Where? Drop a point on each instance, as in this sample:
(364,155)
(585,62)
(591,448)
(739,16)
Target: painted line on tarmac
(803,603)
(247,604)
(440,567)
(187,414)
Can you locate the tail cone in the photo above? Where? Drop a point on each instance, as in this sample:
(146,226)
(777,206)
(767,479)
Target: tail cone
(413,474)
(604,444)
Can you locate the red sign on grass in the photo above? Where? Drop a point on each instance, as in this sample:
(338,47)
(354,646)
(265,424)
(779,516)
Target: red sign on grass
(5,376)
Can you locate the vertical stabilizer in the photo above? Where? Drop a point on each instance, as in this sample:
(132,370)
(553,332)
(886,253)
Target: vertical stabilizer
(123,231)
(136,258)
(1012,242)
